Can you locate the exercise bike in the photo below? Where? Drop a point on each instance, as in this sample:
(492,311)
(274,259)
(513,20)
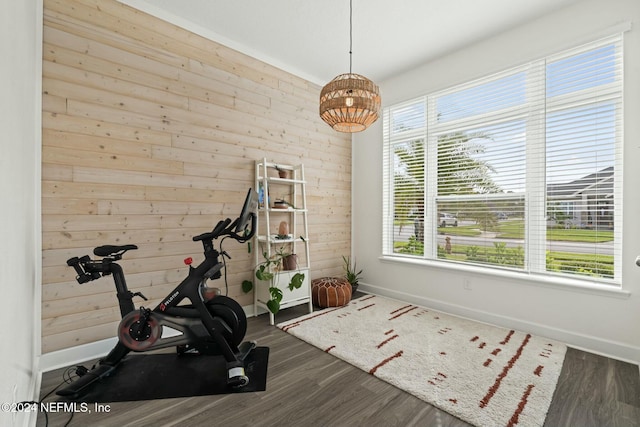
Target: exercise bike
(211,324)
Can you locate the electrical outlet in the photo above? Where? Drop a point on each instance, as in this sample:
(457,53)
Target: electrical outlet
(466,284)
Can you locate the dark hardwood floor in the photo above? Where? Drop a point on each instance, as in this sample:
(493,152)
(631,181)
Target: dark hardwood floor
(308,387)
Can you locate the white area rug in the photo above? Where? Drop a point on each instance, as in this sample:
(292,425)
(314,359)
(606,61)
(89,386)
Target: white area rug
(485,375)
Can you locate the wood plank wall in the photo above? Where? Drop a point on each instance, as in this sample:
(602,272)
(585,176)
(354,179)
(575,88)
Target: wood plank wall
(150,133)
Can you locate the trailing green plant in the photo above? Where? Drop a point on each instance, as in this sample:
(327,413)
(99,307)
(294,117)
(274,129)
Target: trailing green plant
(247,286)
(351,274)
(266,271)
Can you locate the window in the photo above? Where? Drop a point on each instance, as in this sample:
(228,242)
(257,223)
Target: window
(521,170)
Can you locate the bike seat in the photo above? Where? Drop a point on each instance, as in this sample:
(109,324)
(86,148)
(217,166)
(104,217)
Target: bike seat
(107,250)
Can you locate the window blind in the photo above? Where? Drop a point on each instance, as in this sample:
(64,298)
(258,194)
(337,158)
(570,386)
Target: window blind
(519,170)
(583,165)
(405,126)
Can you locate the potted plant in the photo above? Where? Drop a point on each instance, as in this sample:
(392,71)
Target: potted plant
(269,268)
(350,273)
(282,173)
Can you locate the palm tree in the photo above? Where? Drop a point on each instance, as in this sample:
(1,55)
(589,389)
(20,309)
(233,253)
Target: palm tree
(460,171)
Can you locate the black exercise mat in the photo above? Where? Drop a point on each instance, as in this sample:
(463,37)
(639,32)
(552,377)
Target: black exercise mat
(163,376)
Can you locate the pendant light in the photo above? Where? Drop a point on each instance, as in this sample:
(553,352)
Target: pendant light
(350,102)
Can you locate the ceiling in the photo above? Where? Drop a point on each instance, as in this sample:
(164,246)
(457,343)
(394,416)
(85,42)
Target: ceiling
(310,38)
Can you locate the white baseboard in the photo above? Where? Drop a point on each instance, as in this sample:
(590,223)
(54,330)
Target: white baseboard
(591,344)
(82,353)
(75,355)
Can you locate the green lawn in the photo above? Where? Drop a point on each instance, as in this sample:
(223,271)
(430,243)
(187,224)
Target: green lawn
(514,229)
(580,235)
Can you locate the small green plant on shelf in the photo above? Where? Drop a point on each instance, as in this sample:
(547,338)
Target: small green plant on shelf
(269,268)
(351,274)
(282,173)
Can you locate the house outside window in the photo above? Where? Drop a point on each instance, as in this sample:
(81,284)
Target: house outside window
(521,170)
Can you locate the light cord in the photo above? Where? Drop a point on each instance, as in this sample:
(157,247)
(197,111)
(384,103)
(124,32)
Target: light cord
(350,36)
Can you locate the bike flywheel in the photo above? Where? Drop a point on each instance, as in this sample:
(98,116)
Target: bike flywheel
(138,332)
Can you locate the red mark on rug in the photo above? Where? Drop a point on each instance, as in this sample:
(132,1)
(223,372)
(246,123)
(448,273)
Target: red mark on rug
(384,362)
(437,318)
(400,309)
(487,362)
(454,401)
(523,402)
(438,378)
(387,340)
(444,331)
(390,331)
(365,307)
(330,348)
(496,351)
(482,344)
(442,353)
(538,371)
(297,323)
(476,338)
(545,353)
(507,338)
(411,308)
(366,298)
(496,385)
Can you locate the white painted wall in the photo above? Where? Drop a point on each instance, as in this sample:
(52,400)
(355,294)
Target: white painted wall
(20,254)
(605,323)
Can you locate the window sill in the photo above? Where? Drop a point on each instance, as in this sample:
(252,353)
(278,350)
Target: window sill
(539,280)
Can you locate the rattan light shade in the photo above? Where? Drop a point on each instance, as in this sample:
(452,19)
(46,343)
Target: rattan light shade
(350,103)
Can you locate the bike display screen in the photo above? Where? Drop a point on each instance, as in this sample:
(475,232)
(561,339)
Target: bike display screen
(250,206)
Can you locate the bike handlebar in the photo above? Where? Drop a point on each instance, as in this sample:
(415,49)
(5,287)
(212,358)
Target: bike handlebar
(226,228)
